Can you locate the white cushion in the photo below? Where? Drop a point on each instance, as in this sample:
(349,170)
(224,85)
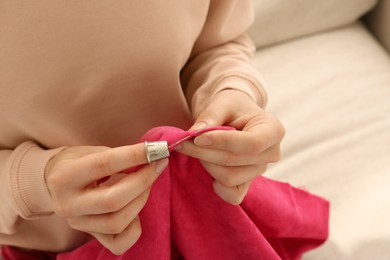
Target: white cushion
(280,20)
(332,93)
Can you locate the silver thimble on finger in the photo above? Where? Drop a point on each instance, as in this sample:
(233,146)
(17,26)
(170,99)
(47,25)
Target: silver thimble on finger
(156,150)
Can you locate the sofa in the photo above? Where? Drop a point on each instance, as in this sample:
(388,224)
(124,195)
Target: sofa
(327,69)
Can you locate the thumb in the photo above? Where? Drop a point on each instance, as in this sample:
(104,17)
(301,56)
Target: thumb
(210,117)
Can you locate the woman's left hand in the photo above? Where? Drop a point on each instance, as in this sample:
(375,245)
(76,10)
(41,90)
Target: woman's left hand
(235,158)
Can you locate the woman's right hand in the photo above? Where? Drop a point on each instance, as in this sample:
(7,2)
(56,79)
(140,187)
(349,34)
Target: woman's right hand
(109,212)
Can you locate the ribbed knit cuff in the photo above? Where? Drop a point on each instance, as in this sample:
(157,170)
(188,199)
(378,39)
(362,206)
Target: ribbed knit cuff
(28,184)
(237,81)
(244,84)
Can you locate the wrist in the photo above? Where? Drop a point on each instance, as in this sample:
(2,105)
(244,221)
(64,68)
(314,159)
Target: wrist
(240,82)
(28,184)
(245,85)
(234,91)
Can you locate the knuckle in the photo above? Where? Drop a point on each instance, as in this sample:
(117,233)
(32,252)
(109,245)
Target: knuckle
(281,130)
(231,159)
(223,143)
(228,182)
(102,162)
(229,178)
(257,146)
(238,196)
(57,177)
(55,180)
(114,225)
(110,203)
(274,154)
(258,170)
(225,181)
(277,155)
(232,195)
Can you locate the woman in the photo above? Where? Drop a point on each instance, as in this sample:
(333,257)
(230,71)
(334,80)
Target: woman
(82,81)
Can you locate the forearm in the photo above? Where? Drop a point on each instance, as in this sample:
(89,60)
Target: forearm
(222,57)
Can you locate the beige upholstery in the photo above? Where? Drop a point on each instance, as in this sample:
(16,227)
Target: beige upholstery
(281,20)
(332,92)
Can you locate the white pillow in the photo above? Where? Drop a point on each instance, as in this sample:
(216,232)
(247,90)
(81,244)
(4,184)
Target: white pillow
(281,20)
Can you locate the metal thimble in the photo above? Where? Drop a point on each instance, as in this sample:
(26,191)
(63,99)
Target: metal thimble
(156,150)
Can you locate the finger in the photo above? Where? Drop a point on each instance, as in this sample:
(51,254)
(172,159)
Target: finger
(80,151)
(106,199)
(219,157)
(233,195)
(257,139)
(229,159)
(234,176)
(211,114)
(120,243)
(95,166)
(111,223)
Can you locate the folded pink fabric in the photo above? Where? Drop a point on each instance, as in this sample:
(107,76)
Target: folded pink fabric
(184,218)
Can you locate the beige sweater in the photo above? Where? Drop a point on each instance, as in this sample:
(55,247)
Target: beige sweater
(102,73)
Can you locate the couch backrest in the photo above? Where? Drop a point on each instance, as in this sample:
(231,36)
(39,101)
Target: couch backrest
(281,20)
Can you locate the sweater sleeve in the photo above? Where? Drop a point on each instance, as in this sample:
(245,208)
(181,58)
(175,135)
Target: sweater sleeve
(26,213)
(222,55)
(23,192)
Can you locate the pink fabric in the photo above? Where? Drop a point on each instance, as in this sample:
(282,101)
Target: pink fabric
(185,218)
(12,253)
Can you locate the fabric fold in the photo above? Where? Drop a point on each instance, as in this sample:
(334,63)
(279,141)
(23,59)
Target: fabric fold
(275,220)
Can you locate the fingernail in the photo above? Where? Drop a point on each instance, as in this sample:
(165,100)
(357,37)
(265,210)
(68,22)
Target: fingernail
(161,165)
(199,126)
(203,141)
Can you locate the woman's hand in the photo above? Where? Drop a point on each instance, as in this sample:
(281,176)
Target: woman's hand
(235,158)
(109,212)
